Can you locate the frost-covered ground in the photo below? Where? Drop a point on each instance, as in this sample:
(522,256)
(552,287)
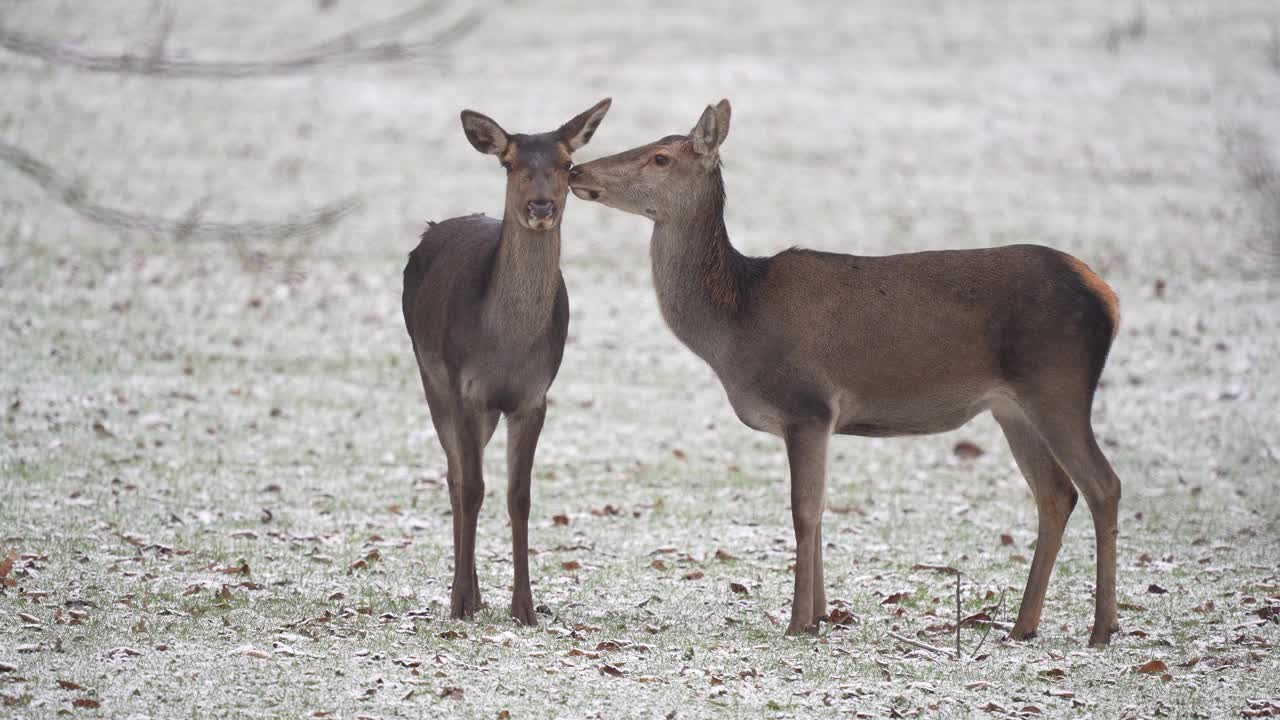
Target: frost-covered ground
(197,453)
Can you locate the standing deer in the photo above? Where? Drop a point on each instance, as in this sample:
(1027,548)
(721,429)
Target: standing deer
(812,343)
(487,311)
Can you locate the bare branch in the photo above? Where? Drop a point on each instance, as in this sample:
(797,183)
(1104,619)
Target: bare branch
(190,226)
(1248,150)
(343,50)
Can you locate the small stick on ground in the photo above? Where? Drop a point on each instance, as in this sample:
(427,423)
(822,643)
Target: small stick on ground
(999,607)
(922,646)
(959,654)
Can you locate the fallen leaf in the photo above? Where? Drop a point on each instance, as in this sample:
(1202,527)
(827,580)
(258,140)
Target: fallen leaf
(1006,539)
(88,703)
(28,619)
(451,693)
(6,566)
(579,652)
(6,667)
(560,519)
(1151,667)
(840,616)
(68,685)
(693,575)
(723,556)
(571,565)
(966,450)
(1155,589)
(658,564)
(979,685)
(608,669)
(895,598)
(679,454)
(738,588)
(1053,673)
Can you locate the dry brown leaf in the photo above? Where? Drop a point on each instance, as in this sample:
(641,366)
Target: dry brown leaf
(560,519)
(68,685)
(1006,539)
(723,556)
(694,575)
(895,598)
(28,618)
(571,565)
(738,588)
(579,652)
(658,564)
(1053,673)
(1155,589)
(87,703)
(966,450)
(611,670)
(840,616)
(6,565)
(679,454)
(1151,667)
(451,693)
(610,645)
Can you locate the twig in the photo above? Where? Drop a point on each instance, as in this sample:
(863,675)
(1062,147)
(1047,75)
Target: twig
(999,607)
(338,51)
(303,225)
(959,654)
(922,646)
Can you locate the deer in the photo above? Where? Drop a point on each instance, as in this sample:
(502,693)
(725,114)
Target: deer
(810,344)
(487,312)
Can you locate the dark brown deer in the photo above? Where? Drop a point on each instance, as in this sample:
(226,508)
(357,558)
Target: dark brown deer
(808,344)
(487,311)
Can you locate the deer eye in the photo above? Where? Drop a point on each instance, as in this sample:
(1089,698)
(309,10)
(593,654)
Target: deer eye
(568,165)
(661,160)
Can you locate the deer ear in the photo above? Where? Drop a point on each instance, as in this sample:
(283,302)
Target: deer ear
(484,134)
(578,131)
(706,135)
(723,111)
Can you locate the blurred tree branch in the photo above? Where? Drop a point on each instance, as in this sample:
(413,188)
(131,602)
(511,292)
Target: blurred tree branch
(1248,150)
(353,47)
(191,226)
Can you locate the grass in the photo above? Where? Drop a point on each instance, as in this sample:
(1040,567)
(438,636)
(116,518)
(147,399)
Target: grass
(168,415)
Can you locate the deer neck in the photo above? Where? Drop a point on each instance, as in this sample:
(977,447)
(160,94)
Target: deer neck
(524,281)
(694,275)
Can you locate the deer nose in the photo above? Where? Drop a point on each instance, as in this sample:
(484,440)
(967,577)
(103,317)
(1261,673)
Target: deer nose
(541,208)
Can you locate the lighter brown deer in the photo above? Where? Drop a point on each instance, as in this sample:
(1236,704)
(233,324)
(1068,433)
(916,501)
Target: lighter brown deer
(809,344)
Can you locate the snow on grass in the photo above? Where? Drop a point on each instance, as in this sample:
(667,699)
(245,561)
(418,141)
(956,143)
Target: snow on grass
(224,490)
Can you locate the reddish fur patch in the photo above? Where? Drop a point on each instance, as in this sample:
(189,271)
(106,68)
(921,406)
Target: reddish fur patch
(1099,288)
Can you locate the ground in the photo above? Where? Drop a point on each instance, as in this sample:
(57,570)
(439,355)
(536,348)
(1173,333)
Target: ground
(218,474)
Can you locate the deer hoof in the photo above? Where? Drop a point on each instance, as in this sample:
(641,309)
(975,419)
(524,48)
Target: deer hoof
(1101,636)
(1021,634)
(522,612)
(799,628)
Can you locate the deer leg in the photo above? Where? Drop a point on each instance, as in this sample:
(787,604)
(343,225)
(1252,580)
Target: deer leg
(468,434)
(523,430)
(807,456)
(819,584)
(1055,498)
(1077,451)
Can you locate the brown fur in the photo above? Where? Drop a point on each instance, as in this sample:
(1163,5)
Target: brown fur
(808,344)
(1101,289)
(487,313)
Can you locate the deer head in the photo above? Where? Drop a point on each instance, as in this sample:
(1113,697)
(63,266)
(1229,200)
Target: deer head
(664,179)
(537,165)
